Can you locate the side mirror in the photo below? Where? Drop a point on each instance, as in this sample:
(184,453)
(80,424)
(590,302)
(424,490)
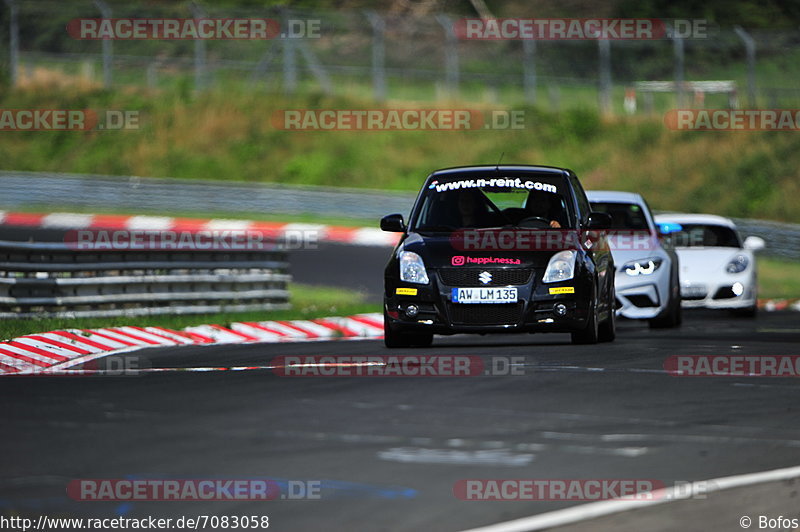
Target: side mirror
(598,220)
(393,223)
(754,243)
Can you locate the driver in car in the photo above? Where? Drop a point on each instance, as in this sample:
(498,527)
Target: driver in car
(541,205)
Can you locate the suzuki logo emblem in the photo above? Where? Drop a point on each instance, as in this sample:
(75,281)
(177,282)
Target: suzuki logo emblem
(485,277)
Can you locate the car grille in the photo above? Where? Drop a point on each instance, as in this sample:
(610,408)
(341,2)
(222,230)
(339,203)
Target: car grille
(488,314)
(693,292)
(724,292)
(464,277)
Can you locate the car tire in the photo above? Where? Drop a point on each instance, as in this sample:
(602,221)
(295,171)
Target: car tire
(673,315)
(591,333)
(747,312)
(395,339)
(607,330)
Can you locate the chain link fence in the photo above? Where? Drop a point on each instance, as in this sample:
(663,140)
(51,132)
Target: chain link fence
(381,56)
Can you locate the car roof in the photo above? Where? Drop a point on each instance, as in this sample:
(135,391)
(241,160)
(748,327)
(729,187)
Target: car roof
(499,169)
(711,219)
(614,196)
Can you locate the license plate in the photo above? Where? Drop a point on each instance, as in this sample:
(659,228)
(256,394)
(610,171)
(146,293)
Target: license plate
(693,291)
(484,295)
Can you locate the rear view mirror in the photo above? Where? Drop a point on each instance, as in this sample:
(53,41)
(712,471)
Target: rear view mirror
(598,220)
(754,243)
(393,223)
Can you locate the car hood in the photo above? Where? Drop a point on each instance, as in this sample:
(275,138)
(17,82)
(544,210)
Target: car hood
(621,256)
(700,262)
(440,251)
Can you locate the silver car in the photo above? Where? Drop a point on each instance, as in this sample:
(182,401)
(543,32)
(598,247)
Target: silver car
(647,282)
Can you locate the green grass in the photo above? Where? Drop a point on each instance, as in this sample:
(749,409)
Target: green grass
(227,135)
(778,278)
(308,302)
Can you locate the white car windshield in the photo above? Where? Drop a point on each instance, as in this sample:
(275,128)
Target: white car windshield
(704,235)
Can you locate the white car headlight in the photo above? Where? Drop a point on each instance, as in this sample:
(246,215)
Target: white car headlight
(412,269)
(561,267)
(642,267)
(738,264)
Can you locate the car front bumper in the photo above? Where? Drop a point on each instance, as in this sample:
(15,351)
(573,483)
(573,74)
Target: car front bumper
(718,294)
(534,310)
(642,298)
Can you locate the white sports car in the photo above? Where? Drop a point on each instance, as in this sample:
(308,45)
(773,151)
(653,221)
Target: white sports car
(647,272)
(718,269)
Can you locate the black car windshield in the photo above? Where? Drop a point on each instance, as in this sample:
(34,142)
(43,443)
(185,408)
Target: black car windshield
(532,202)
(624,216)
(704,235)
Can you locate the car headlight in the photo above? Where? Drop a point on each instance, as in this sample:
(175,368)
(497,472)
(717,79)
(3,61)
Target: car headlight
(642,267)
(738,264)
(561,267)
(412,269)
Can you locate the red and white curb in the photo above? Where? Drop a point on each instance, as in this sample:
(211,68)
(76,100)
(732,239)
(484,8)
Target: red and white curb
(55,351)
(362,236)
(771,305)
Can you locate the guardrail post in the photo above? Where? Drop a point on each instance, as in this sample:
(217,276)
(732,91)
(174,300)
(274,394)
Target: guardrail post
(105,12)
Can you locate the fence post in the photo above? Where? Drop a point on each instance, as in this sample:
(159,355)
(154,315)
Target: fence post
(289,58)
(199,52)
(750,46)
(378,55)
(13,40)
(108,53)
(529,70)
(450,55)
(604,48)
(677,46)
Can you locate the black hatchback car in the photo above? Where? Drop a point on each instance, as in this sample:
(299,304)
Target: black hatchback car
(499,249)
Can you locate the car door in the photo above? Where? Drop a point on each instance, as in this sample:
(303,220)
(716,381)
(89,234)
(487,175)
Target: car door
(599,251)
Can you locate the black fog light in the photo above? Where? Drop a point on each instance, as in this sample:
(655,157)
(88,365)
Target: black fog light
(560,309)
(412,311)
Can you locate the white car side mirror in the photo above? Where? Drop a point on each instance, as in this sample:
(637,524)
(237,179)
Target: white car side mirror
(754,243)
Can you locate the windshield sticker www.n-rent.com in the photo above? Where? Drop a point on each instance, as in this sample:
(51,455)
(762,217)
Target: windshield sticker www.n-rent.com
(494,182)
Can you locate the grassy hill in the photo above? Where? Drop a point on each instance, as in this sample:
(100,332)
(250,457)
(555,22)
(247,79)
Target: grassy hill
(228,135)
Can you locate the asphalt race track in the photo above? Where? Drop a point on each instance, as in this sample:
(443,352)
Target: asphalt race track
(387,451)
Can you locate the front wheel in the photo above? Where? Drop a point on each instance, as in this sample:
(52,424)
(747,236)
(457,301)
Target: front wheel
(673,315)
(591,333)
(607,330)
(394,339)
